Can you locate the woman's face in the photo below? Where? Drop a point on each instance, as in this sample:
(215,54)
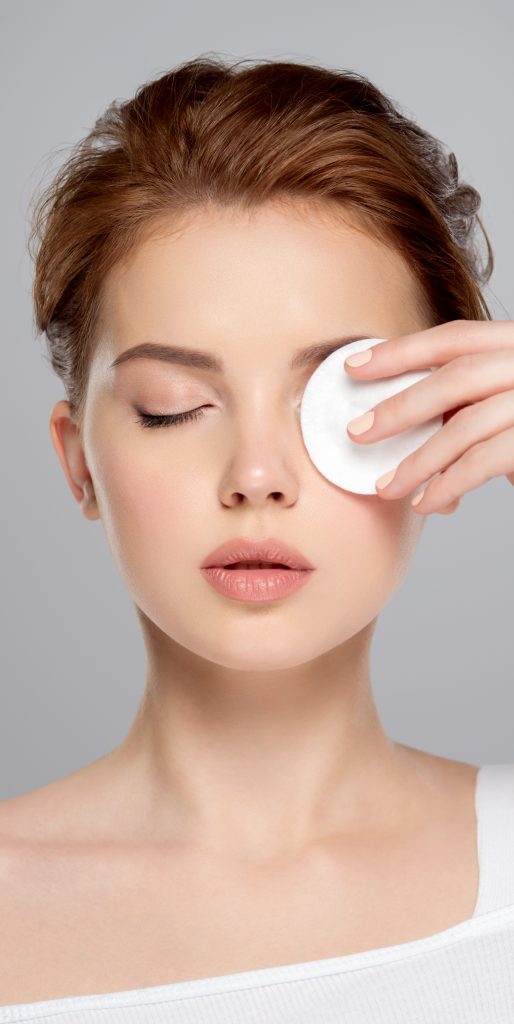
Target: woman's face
(251,289)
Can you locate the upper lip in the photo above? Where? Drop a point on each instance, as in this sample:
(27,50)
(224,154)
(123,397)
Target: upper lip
(245,549)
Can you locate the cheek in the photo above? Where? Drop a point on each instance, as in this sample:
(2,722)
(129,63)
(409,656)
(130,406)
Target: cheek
(149,508)
(373,542)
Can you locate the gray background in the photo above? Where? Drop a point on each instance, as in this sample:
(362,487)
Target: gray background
(73,661)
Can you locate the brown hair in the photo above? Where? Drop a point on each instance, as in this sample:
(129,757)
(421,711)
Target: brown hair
(209,133)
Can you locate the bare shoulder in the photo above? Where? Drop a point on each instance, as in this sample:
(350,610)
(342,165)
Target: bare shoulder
(22,841)
(58,810)
(30,823)
(440,767)
(38,879)
(452,782)
(39,832)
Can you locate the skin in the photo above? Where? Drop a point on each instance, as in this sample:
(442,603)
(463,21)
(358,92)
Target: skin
(235,693)
(257,758)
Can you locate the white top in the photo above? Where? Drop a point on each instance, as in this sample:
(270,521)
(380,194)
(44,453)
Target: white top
(463,975)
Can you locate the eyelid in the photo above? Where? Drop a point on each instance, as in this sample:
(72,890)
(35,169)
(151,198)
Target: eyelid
(304,372)
(148,419)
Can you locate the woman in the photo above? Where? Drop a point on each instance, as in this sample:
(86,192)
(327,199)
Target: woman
(257,848)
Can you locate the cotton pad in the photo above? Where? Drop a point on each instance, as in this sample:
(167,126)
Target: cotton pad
(332,397)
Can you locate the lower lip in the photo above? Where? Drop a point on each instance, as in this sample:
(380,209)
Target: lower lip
(256,584)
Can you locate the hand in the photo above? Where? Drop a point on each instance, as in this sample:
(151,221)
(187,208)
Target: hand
(472,387)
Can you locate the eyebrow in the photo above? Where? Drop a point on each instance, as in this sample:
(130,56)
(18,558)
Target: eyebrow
(202,360)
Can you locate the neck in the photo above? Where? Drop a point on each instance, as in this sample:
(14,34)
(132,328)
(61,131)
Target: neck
(254,762)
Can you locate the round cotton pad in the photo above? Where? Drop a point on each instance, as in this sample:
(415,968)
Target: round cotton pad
(332,397)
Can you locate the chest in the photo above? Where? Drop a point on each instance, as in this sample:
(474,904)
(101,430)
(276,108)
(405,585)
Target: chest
(77,922)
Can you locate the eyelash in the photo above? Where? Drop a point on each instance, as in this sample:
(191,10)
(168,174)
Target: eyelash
(147,419)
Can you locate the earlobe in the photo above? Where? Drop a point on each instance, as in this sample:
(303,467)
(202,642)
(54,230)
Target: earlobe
(68,446)
(88,503)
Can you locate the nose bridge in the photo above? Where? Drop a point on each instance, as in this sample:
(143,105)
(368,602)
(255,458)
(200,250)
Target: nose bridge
(262,459)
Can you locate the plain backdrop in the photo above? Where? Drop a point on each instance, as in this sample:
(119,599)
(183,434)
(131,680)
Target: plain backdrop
(73,660)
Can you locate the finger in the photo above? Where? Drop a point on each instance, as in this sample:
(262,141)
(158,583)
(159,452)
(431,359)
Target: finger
(449,508)
(434,346)
(484,461)
(465,380)
(469,426)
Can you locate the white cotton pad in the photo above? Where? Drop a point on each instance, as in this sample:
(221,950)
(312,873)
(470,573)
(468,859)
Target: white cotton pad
(332,398)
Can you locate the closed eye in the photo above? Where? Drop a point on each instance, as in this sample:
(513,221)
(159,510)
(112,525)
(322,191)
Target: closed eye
(147,419)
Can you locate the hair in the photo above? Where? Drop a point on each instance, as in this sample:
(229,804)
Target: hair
(211,133)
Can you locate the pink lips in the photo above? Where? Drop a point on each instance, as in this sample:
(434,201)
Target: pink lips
(245,549)
(261,583)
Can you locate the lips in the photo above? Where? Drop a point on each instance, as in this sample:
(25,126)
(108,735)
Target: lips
(271,553)
(256,565)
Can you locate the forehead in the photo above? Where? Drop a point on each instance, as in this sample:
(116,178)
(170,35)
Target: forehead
(279,270)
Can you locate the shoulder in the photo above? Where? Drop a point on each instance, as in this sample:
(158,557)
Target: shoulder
(25,828)
(445,773)
(57,811)
(39,832)
(27,819)
(88,808)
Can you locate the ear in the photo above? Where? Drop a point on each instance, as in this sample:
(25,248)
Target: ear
(67,442)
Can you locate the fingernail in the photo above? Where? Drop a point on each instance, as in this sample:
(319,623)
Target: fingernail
(384,480)
(417,499)
(360,358)
(362,423)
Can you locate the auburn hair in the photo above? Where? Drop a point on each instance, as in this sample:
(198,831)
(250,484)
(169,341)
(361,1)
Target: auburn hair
(212,132)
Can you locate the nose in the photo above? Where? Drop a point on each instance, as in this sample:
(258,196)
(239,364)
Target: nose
(263,463)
